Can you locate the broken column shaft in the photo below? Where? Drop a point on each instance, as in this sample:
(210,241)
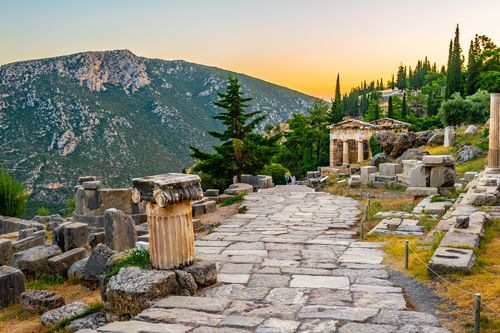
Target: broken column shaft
(170,222)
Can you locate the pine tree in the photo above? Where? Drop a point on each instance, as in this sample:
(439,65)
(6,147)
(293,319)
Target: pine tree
(404,111)
(242,150)
(390,111)
(401,78)
(455,81)
(473,67)
(393,84)
(337,113)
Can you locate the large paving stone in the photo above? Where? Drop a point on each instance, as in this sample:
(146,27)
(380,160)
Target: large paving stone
(319,326)
(35,260)
(393,317)
(241,321)
(392,301)
(286,296)
(273,325)
(119,230)
(206,329)
(314,281)
(205,304)
(133,288)
(337,312)
(237,292)
(182,316)
(11,285)
(372,328)
(412,328)
(135,326)
(66,311)
(268,280)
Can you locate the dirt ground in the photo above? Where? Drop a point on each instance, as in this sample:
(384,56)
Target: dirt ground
(218,216)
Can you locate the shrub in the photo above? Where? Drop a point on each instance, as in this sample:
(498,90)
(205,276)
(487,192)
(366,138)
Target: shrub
(12,196)
(277,171)
(455,111)
(232,200)
(135,257)
(374,146)
(42,211)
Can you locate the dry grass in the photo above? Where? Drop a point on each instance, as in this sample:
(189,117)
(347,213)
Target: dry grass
(439,150)
(15,319)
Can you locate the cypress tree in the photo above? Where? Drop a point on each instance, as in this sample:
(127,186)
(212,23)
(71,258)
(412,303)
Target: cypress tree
(337,113)
(401,77)
(473,67)
(455,82)
(393,84)
(390,111)
(404,112)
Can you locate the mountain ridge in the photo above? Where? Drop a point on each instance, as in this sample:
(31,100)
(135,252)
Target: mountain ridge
(116,115)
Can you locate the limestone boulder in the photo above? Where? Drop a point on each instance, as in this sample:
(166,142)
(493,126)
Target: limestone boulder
(11,285)
(76,269)
(385,140)
(66,311)
(402,143)
(95,266)
(471,130)
(41,301)
(437,139)
(413,154)
(132,289)
(203,272)
(90,322)
(239,188)
(50,222)
(119,230)
(71,235)
(468,153)
(186,281)
(35,260)
(421,138)
(5,251)
(380,158)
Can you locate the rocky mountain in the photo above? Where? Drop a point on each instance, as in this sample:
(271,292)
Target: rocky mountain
(115,115)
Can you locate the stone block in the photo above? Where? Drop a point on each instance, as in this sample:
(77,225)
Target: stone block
(211,193)
(417,176)
(118,198)
(88,323)
(83,179)
(461,222)
(436,208)
(143,238)
(449,136)
(71,235)
(203,272)
(450,260)
(132,289)
(92,200)
(421,191)
(139,218)
(41,301)
(460,240)
(50,222)
(35,260)
(438,160)
(141,229)
(66,311)
(239,188)
(198,209)
(97,238)
(25,233)
(211,206)
(469,175)
(5,251)
(79,200)
(120,230)
(59,265)
(142,245)
(95,266)
(29,242)
(354,180)
(389,169)
(91,185)
(11,286)
(365,172)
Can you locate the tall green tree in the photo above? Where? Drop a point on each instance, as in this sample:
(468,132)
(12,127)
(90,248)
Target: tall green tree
(401,79)
(241,149)
(455,80)
(374,110)
(337,112)
(390,110)
(404,108)
(473,67)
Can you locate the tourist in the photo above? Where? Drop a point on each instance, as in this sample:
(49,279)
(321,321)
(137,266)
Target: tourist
(287,177)
(293,180)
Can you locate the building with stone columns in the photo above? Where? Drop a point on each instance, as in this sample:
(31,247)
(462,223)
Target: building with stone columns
(350,139)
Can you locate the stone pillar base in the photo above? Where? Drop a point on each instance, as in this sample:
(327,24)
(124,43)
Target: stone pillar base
(171,235)
(492,170)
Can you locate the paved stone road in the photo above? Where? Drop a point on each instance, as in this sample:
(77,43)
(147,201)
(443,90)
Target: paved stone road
(289,264)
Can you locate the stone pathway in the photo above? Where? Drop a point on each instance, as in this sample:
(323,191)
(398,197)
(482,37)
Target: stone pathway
(289,264)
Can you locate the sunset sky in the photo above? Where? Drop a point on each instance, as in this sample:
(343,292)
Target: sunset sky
(298,44)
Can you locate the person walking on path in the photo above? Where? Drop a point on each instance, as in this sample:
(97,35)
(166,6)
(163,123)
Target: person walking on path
(293,180)
(287,177)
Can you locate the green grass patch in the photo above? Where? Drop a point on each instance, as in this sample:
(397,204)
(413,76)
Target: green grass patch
(43,281)
(19,313)
(60,326)
(232,200)
(475,165)
(135,257)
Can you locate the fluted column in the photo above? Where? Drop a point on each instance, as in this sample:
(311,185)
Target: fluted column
(360,152)
(171,235)
(345,152)
(332,153)
(170,220)
(494,138)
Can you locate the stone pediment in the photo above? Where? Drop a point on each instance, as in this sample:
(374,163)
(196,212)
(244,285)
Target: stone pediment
(389,122)
(351,123)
